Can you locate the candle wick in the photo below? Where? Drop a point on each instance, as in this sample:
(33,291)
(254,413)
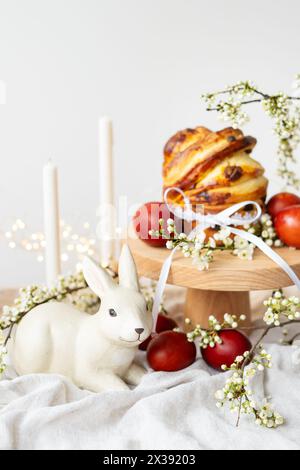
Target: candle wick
(50,162)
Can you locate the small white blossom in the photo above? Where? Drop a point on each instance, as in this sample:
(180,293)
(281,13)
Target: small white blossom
(202,262)
(182,236)
(239,359)
(240,242)
(210,336)
(222,234)
(169,244)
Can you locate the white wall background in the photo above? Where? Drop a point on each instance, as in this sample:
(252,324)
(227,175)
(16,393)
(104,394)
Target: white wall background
(143,62)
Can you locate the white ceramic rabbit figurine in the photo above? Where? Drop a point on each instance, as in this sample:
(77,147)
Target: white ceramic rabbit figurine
(96,351)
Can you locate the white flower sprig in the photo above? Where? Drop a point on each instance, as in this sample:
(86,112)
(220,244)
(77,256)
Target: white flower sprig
(209,336)
(281,308)
(281,108)
(267,231)
(237,391)
(199,248)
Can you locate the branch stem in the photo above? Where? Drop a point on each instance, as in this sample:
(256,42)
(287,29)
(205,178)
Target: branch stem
(258,100)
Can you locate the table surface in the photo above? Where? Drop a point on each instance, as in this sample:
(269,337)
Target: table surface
(7,297)
(226,273)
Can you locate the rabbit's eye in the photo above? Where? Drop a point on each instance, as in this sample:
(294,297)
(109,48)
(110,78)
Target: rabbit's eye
(112,312)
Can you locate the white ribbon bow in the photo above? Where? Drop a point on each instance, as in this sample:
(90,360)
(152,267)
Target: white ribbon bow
(223,219)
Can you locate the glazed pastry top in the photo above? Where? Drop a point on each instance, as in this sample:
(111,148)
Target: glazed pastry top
(215,169)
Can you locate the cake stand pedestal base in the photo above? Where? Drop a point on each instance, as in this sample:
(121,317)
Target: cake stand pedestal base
(200,302)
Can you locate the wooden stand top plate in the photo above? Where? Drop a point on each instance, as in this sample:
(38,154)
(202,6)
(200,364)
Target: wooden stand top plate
(226,273)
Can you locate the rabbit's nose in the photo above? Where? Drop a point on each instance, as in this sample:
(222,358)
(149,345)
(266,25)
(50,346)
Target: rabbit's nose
(139,330)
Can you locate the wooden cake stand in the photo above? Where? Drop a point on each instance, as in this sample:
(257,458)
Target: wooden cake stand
(225,286)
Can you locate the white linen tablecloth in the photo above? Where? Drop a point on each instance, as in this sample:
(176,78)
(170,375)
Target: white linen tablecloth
(166,411)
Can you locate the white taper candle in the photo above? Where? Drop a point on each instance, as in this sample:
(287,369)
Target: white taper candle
(51,223)
(106,190)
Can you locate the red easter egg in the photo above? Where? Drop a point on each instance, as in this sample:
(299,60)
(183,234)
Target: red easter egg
(287,226)
(147,218)
(164,323)
(281,201)
(170,351)
(234,344)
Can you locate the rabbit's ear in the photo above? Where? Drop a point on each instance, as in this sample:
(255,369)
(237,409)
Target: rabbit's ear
(128,276)
(96,277)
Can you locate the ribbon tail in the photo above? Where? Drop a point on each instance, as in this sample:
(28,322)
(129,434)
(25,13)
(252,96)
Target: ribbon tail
(269,252)
(160,287)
